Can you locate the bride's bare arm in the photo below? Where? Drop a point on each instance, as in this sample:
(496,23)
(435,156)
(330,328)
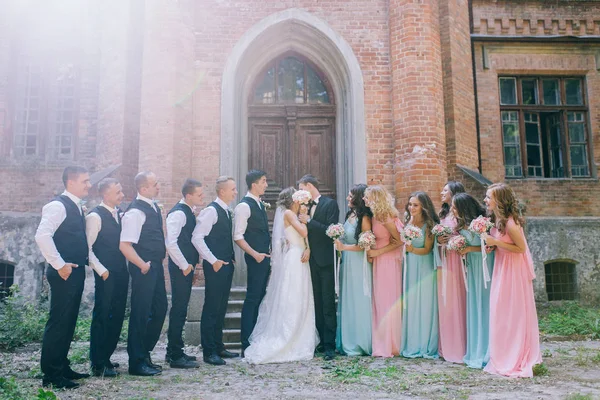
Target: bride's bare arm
(292,219)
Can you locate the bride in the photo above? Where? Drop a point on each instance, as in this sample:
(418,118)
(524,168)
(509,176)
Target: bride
(285,329)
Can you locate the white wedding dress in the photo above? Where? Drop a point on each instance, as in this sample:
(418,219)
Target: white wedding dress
(285,330)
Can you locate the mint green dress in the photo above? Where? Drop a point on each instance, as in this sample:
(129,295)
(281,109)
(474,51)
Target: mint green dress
(478,305)
(420,329)
(354,307)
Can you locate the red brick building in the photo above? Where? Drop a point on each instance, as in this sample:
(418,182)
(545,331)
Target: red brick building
(408,94)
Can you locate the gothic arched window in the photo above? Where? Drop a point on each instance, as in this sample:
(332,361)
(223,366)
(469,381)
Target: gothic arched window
(292,80)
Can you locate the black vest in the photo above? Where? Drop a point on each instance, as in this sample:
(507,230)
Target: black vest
(151,245)
(106,246)
(257,231)
(220,238)
(69,238)
(184,241)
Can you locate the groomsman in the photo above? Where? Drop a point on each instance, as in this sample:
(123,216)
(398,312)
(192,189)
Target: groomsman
(322,212)
(251,234)
(183,258)
(213,239)
(103,229)
(61,239)
(143,244)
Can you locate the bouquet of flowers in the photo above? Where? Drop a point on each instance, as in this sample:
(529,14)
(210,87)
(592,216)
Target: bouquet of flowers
(366,240)
(302,196)
(335,231)
(410,233)
(481,225)
(457,243)
(441,230)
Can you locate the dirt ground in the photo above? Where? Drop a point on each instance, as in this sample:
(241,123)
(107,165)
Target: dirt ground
(573,373)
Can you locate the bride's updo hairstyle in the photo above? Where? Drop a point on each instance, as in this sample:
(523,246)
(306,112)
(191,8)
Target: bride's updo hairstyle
(285,199)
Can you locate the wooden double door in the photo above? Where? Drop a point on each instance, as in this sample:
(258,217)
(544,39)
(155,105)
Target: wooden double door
(289,141)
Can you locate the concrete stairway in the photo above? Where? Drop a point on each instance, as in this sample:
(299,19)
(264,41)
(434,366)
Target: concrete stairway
(231,329)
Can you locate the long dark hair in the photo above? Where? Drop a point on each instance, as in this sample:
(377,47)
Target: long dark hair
(468,209)
(455,188)
(358,207)
(427,210)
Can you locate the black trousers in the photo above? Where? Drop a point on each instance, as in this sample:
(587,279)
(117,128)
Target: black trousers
(110,299)
(324,293)
(65,298)
(216,295)
(148,310)
(181,288)
(258,277)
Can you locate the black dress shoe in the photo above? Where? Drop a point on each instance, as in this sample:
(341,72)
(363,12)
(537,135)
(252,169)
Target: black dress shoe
(183,363)
(228,354)
(59,383)
(148,361)
(214,359)
(143,370)
(70,374)
(168,358)
(105,372)
(329,355)
(113,365)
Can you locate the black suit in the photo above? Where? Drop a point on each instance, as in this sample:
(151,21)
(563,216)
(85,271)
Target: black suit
(322,268)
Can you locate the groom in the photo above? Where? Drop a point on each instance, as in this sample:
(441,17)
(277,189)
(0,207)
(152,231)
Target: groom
(251,234)
(322,212)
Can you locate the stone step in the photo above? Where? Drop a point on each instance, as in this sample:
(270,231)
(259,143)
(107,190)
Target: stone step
(233,320)
(233,346)
(235,306)
(237,293)
(231,336)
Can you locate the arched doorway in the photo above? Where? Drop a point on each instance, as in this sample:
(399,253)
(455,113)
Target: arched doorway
(291,125)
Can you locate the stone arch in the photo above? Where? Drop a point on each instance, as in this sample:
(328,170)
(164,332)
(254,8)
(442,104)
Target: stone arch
(295,30)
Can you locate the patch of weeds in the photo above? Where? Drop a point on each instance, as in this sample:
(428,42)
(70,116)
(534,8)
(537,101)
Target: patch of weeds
(79,355)
(540,370)
(21,321)
(547,353)
(349,372)
(35,372)
(82,329)
(578,396)
(11,389)
(45,395)
(562,350)
(569,318)
(241,369)
(596,358)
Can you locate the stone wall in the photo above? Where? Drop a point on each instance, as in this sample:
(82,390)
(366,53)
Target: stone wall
(566,239)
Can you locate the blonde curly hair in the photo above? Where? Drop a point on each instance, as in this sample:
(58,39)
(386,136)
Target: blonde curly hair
(507,205)
(381,203)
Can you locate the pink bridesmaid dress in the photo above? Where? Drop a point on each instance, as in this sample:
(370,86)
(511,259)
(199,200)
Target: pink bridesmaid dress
(387,292)
(452,302)
(514,333)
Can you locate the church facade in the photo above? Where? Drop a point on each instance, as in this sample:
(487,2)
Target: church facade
(403,93)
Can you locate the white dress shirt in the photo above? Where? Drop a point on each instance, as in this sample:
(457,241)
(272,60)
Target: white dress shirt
(175,222)
(242,213)
(93,225)
(133,220)
(204,223)
(53,215)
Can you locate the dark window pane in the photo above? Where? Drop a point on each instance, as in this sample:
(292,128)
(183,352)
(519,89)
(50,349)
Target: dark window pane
(551,91)
(576,133)
(291,81)
(265,91)
(534,157)
(529,91)
(317,93)
(508,91)
(573,91)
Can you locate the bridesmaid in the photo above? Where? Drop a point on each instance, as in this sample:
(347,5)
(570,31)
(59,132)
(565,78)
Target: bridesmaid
(420,317)
(451,285)
(465,208)
(514,333)
(354,306)
(387,273)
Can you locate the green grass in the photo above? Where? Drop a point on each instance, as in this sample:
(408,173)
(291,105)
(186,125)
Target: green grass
(569,319)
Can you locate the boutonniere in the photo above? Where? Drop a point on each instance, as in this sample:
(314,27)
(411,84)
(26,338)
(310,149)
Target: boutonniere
(84,208)
(196,211)
(266,205)
(161,207)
